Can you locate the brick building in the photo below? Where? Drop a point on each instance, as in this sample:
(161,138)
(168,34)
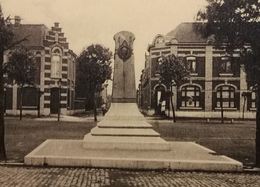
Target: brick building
(55,71)
(215,78)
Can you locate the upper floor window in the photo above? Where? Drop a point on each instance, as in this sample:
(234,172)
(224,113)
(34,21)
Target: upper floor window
(225,66)
(56,63)
(56,37)
(191,64)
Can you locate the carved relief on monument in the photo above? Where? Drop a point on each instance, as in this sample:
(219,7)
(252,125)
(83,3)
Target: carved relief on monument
(124,51)
(124,45)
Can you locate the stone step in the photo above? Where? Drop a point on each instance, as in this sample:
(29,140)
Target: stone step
(123,124)
(125,143)
(124,111)
(123,132)
(184,156)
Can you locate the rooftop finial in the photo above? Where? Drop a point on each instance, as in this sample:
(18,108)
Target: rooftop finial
(17,20)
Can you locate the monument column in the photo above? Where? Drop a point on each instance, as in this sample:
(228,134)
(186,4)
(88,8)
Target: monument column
(124,90)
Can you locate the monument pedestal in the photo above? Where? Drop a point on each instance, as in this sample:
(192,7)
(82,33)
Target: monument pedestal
(123,139)
(124,127)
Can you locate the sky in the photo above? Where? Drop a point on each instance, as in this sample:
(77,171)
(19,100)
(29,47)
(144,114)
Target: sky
(86,22)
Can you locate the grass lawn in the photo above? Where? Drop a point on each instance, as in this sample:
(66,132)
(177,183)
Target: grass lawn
(23,136)
(235,140)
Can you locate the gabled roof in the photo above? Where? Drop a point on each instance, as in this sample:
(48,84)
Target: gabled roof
(186,33)
(35,34)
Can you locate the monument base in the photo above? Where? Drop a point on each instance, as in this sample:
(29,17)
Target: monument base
(125,140)
(187,156)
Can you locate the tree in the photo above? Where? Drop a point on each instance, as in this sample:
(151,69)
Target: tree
(21,69)
(172,70)
(235,25)
(93,70)
(6,38)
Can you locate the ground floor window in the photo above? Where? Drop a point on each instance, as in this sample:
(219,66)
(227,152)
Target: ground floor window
(225,97)
(29,97)
(190,96)
(252,99)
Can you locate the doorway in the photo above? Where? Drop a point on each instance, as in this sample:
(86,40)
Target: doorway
(54,101)
(160,100)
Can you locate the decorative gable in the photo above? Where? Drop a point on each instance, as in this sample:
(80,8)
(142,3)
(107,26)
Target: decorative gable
(55,36)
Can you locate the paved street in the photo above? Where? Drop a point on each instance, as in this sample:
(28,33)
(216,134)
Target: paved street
(31,176)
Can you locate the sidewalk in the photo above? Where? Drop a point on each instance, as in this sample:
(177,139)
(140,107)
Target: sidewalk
(69,118)
(65,118)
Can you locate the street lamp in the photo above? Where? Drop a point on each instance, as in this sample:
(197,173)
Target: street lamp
(4,99)
(245,95)
(173,83)
(5,89)
(59,105)
(40,93)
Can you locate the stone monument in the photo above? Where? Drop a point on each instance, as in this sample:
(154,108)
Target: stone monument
(123,139)
(124,127)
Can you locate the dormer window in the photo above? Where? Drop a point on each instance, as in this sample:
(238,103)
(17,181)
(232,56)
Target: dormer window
(159,40)
(191,64)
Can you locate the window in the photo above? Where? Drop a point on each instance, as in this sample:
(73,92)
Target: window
(56,37)
(56,63)
(191,64)
(56,51)
(190,96)
(252,99)
(225,65)
(225,97)
(159,40)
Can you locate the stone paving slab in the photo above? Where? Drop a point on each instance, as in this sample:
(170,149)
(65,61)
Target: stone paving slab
(93,177)
(182,156)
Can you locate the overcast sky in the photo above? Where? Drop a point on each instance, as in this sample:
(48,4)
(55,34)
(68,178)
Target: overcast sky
(96,21)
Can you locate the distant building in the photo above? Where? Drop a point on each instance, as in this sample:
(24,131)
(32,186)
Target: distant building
(55,71)
(214,78)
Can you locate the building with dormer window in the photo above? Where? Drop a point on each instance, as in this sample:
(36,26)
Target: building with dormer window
(55,76)
(216,80)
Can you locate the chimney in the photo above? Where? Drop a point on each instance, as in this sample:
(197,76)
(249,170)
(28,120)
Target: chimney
(56,24)
(17,20)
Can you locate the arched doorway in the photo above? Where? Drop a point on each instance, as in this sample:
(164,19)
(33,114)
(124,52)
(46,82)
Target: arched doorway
(159,99)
